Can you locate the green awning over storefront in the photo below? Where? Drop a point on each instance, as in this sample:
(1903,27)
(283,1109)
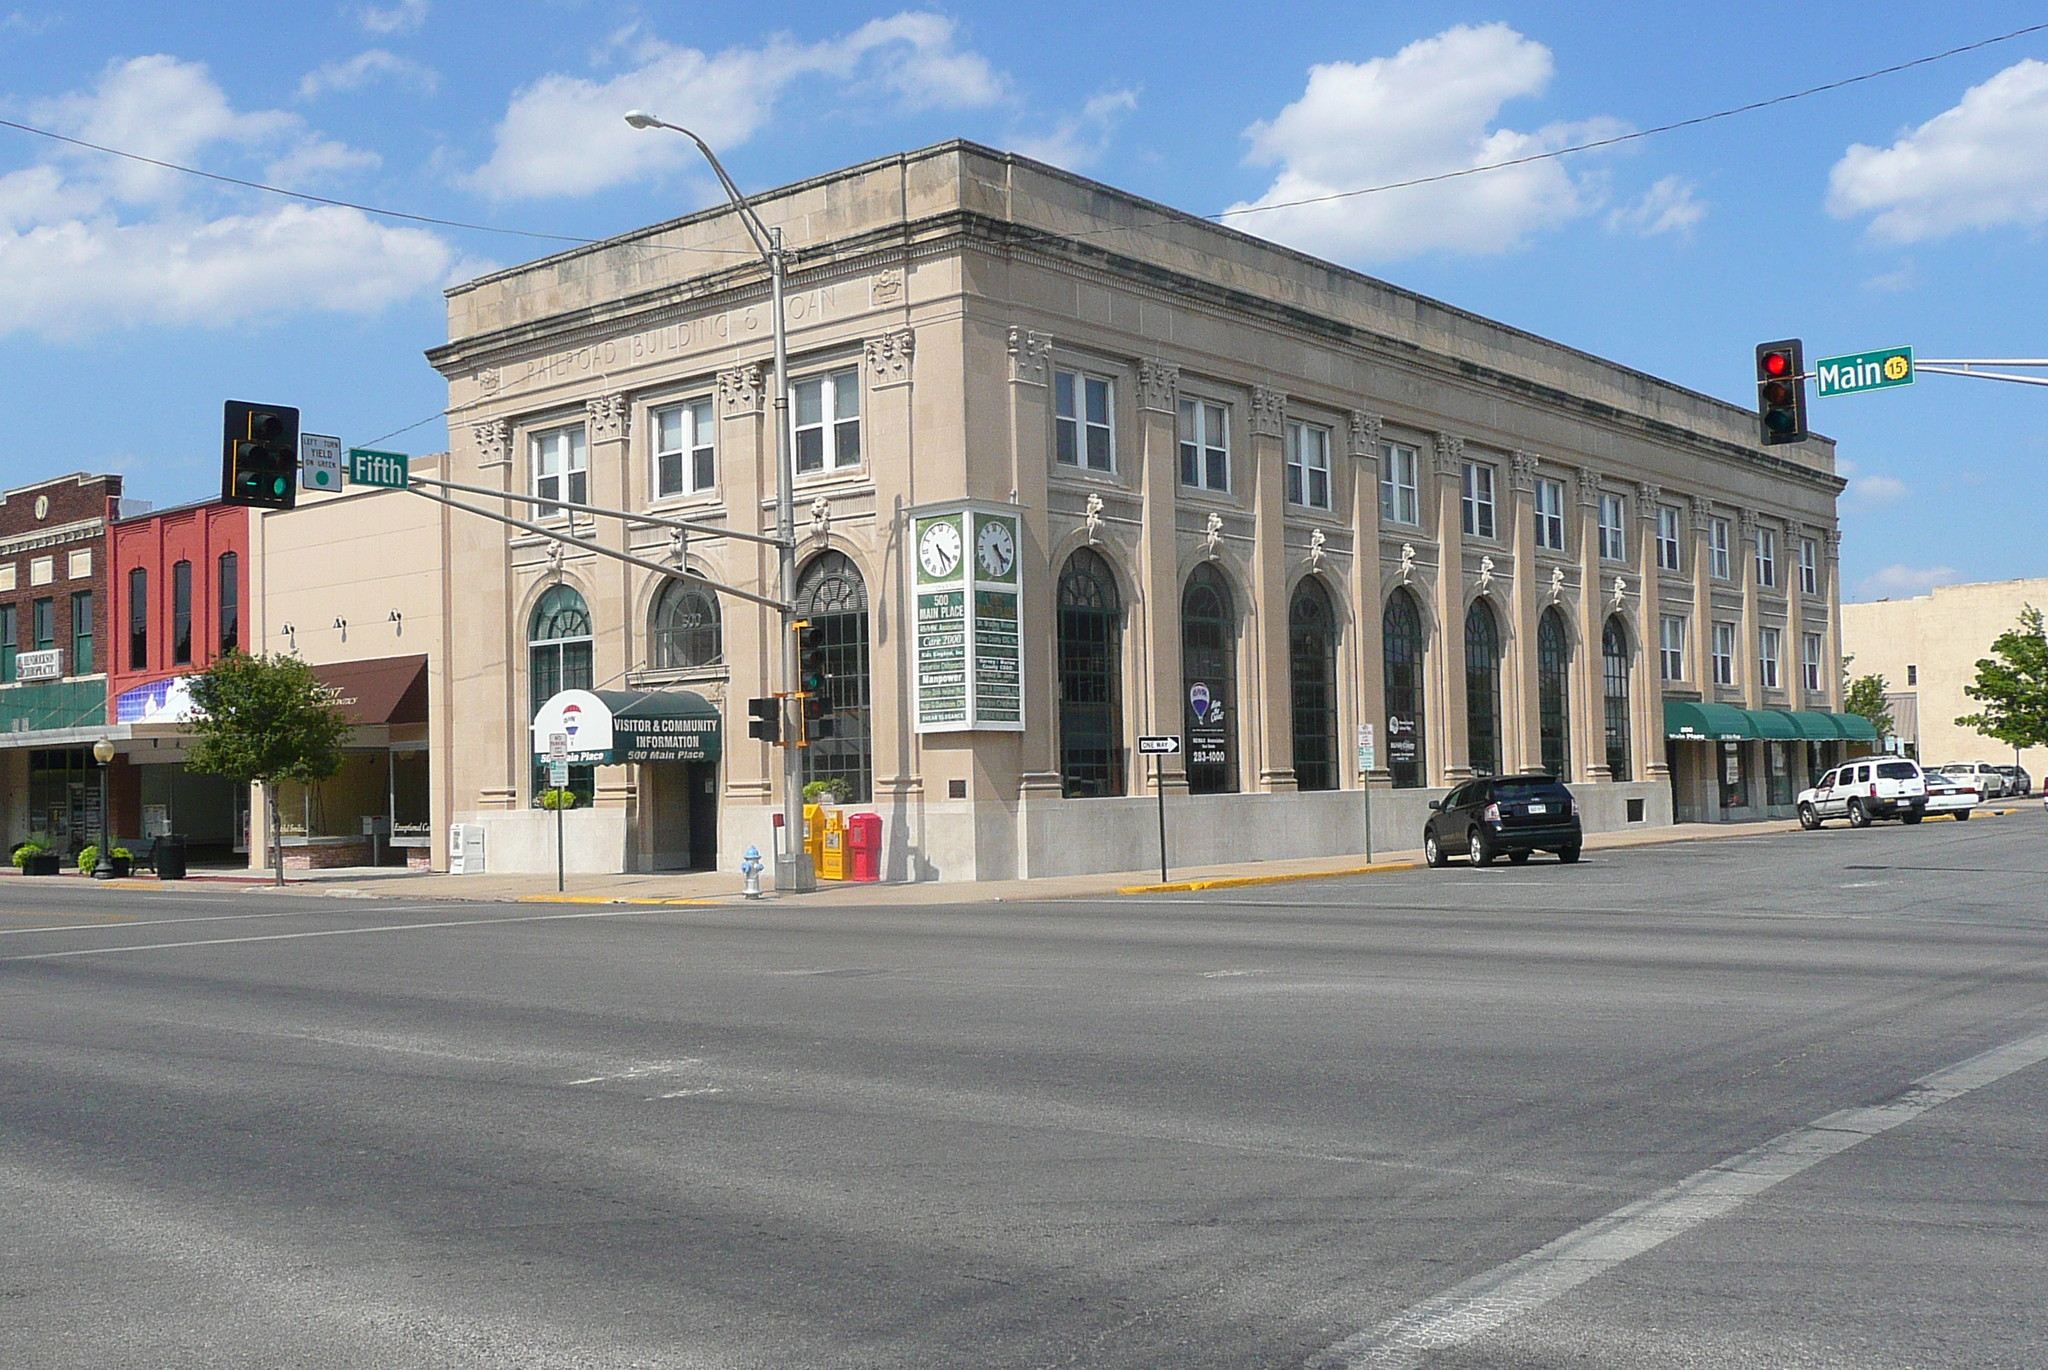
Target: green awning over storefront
(1815,726)
(1855,727)
(1776,725)
(1700,721)
(1686,718)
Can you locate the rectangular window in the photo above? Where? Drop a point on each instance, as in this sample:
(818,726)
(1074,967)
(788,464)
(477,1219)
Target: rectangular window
(1767,657)
(1912,675)
(1308,465)
(45,611)
(1668,547)
(230,602)
(826,413)
(1084,423)
(1717,548)
(138,619)
(1809,567)
(1809,658)
(81,632)
(1550,514)
(1724,654)
(10,640)
(181,614)
(1671,638)
(1204,445)
(683,455)
(1478,499)
(561,468)
(1766,558)
(1397,484)
(1613,545)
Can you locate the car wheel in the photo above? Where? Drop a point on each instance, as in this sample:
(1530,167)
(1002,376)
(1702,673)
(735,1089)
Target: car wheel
(1809,817)
(1568,854)
(1911,817)
(1479,849)
(1518,858)
(1432,852)
(1857,817)
(1962,815)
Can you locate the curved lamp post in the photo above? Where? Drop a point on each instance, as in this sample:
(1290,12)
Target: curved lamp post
(103,752)
(793,872)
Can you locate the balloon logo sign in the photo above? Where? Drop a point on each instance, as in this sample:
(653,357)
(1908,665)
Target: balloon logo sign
(572,718)
(1198,701)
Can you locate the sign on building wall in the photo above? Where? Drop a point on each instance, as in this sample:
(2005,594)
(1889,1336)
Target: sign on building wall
(969,614)
(47,664)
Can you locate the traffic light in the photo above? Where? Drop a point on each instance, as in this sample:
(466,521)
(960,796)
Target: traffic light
(260,455)
(1781,391)
(765,720)
(814,683)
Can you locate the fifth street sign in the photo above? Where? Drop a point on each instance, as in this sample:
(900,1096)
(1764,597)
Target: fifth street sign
(1862,371)
(387,469)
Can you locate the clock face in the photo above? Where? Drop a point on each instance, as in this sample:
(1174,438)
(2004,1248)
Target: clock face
(996,549)
(938,551)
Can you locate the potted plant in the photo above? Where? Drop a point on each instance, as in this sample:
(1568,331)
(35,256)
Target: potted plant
(122,861)
(833,791)
(552,800)
(34,857)
(88,858)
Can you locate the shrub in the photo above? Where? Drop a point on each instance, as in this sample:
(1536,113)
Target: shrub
(35,846)
(833,791)
(88,859)
(557,799)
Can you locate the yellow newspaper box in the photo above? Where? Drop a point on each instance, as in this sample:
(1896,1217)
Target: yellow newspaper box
(814,834)
(832,859)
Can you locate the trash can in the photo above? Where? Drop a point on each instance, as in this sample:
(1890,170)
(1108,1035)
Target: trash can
(170,857)
(864,847)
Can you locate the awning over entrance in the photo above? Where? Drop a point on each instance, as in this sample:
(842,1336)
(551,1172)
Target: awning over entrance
(605,727)
(1693,720)
(391,689)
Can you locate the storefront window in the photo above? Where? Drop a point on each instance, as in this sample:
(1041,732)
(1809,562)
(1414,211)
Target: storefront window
(1553,656)
(1091,667)
(1614,674)
(832,595)
(558,658)
(1208,659)
(1401,636)
(1482,688)
(1312,671)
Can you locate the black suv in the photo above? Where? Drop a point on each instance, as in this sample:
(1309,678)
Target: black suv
(1504,814)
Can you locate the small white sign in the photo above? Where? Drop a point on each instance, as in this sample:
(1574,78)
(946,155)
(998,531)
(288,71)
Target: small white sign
(319,463)
(47,664)
(1367,752)
(1162,744)
(558,775)
(558,748)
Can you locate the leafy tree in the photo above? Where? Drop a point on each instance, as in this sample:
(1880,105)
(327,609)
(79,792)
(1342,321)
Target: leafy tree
(2013,686)
(265,719)
(1865,695)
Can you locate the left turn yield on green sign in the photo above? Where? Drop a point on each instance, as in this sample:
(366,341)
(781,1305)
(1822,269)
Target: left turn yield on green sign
(388,469)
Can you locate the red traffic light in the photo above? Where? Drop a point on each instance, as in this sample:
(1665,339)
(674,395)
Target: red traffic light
(1776,364)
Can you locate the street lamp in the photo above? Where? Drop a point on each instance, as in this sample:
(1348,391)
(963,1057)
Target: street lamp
(103,869)
(793,870)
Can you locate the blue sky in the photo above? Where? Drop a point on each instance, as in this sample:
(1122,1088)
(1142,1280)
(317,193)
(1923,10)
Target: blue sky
(1908,209)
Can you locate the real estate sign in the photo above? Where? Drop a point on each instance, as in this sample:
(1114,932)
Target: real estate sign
(968,649)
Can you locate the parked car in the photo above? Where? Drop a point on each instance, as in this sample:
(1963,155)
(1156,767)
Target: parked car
(1990,784)
(1865,789)
(1950,794)
(2026,779)
(1510,815)
(2017,781)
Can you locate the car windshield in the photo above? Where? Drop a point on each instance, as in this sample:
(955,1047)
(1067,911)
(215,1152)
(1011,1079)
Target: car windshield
(1521,791)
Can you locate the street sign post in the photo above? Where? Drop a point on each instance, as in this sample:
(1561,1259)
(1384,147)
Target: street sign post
(1367,755)
(558,779)
(386,469)
(319,463)
(1861,371)
(1157,745)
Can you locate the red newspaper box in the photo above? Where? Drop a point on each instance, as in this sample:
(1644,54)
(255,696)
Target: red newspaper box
(864,847)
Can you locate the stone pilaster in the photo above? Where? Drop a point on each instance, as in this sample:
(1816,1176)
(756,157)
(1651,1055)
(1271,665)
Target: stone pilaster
(1452,746)
(1647,701)
(1368,650)
(1523,704)
(1270,680)
(1157,629)
(1589,686)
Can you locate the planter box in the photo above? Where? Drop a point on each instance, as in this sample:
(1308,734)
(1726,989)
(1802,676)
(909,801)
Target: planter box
(48,863)
(122,866)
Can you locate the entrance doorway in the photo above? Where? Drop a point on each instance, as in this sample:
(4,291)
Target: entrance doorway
(681,799)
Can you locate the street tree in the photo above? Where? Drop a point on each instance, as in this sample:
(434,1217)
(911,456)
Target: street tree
(1864,695)
(2012,686)
(265,720)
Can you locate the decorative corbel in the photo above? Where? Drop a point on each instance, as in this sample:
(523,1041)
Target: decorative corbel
(1091,518)
(1315,549)
(1212,534)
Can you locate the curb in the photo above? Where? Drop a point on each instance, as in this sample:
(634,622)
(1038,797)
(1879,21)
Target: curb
(1231,882)
(1974,813)
(608,899)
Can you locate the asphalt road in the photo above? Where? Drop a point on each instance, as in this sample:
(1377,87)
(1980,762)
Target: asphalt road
(1720,1104)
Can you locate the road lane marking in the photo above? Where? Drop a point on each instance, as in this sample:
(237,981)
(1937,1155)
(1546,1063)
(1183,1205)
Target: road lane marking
(325,932)
(1504,1293)
(135,921)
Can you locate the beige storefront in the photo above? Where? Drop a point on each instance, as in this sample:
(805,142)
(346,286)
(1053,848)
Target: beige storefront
(1255,499)
(1927,649)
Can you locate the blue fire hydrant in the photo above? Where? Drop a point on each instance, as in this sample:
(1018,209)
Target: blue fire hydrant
(750,867)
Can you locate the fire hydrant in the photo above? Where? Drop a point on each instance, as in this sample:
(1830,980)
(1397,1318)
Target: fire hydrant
(750,867)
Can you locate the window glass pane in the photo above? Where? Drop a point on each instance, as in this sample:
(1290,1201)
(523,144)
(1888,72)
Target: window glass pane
(1098,400)
(846,395)
(1063,395)
(1099,458)
(846,443)
(810,401)
(668,429)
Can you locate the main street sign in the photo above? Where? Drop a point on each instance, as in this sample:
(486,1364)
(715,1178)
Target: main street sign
(1862,371)
(387,469)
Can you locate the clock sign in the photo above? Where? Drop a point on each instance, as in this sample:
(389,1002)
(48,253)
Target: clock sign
(995,549)
(938,550)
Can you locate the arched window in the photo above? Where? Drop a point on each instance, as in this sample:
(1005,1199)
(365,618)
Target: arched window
(832,595)
(686,631)
(1312,679)
(1401,636)
(558,658)
(1614,674)
(1553,654)
(1208,662)
(1091,666)
(1482,688)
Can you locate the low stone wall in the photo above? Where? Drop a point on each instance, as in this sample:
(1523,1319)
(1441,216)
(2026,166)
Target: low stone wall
(327,853)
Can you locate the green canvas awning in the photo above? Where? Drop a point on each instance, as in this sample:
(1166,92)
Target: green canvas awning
(1776,725)
(606,727)
(1814,726)
(1704,722)
(1855,727)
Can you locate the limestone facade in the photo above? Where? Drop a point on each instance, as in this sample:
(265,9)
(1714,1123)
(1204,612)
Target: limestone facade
(1234,465)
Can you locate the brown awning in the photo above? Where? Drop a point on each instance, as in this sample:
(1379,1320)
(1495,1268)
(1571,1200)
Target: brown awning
(391,689)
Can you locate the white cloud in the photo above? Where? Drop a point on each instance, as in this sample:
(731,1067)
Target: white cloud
(30,25)
(365,69)
(403,17)
(1869,487)
(1982,164)
(318,159)
(1896,581)
(1080,139)
(565,135)
(91,244)
(1666,207)
(1427,110)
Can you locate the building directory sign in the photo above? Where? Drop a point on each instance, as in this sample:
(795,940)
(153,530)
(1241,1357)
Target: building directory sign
(969,618)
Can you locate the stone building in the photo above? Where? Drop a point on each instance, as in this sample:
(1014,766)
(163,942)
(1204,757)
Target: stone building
(1197,484)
